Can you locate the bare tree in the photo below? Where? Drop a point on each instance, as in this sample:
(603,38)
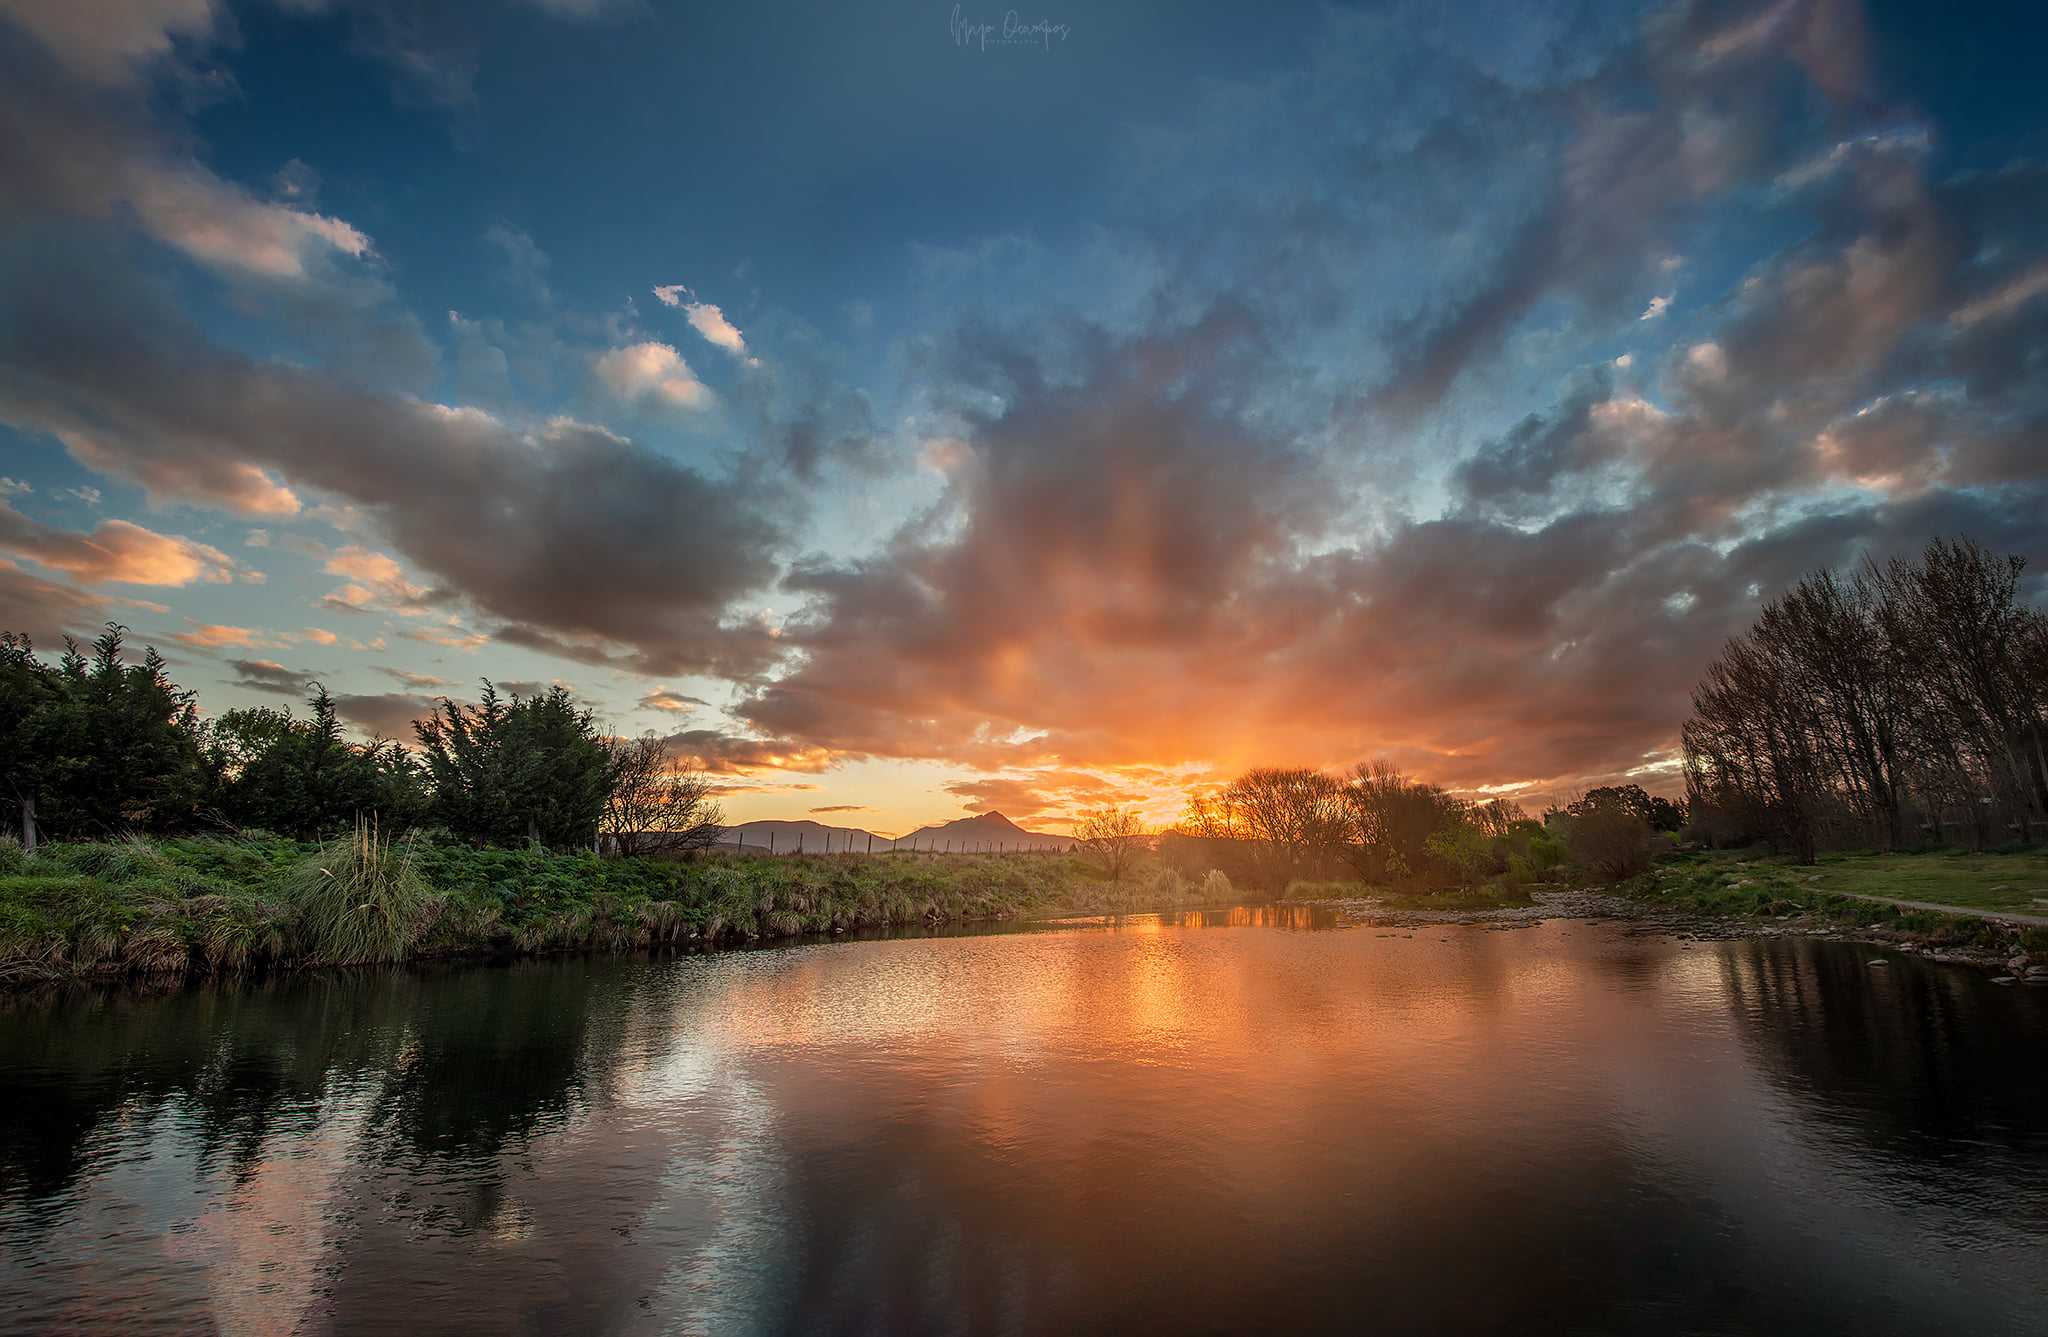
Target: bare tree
(657,804)
(1295,817)
(1390,820)
(1113,837)
(1857,707)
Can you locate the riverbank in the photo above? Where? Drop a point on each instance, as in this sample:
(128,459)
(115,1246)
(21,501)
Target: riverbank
(166,909)
(142,909)
(1723,897)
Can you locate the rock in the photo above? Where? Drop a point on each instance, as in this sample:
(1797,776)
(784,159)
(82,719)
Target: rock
(1878,963)
(2001,979)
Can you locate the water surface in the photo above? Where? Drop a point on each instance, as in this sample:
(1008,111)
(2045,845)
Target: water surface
(1234,1122)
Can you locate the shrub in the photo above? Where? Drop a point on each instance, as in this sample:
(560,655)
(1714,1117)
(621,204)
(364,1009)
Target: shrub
(1611,842)
(358,900)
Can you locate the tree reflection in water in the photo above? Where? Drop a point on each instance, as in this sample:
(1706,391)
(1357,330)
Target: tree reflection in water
(1217,1120)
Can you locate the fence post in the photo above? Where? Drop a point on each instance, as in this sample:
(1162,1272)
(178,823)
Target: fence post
(28,825)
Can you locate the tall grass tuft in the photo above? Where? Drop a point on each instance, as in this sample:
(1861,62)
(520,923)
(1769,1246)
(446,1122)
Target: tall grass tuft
(358,900)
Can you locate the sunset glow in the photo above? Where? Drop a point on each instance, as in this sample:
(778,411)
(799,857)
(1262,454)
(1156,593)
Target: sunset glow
(910,427)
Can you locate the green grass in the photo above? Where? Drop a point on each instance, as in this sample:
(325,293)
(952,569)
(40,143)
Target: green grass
(1973,881)
(164,908)
(359,900)
(1726,885)
(2005,881)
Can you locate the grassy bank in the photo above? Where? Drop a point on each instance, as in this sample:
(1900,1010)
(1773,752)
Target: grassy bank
(154,908)
(1730,885)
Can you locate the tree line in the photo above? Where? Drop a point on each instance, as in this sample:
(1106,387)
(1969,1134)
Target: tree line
(1273,826)
(93,747)
(1900,705)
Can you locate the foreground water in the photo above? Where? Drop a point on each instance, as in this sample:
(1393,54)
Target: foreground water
(1233,1123)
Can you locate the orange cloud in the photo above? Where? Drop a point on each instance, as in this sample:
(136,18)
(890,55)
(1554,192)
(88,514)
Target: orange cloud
(207,636)
(118,551)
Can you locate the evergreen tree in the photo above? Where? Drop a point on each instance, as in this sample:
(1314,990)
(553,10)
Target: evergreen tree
(302,778)
(99,746)
(507,772)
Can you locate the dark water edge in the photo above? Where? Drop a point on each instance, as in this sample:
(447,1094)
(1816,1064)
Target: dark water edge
(1222,1121)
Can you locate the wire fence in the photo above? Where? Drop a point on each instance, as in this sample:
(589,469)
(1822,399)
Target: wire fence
(866,844)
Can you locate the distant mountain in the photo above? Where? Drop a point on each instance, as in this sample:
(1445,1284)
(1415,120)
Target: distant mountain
(989,831)
(811,837)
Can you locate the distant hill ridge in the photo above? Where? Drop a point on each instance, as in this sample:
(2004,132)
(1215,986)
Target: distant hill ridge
(989,831)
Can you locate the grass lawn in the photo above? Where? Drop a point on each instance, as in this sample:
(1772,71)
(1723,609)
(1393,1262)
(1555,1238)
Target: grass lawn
(1725,883)
(1974,881)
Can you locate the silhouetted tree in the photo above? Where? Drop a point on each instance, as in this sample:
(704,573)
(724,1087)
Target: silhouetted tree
(1113,838)
(656,804)
(1852,705)
(303,779)
(1391,819)
(503,772)
(1296,818)
(98,746)
(1655,813)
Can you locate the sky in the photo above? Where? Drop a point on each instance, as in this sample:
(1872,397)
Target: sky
(914,410)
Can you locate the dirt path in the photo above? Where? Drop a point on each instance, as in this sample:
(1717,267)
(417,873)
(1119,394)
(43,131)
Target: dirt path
(2003,916)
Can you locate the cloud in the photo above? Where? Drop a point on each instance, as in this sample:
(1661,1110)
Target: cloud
(118,551)
(706,319)
(467,641)
(661,698)
(264,676)
(558,531)
(208,636)
(376,581)
(222,225)
(730,754)
(388,716)
(652,371)
(44,610)
(315,635)
(1125,565)
(1021,800)
(522,265)
(410,679)
(845,807)
(110,43)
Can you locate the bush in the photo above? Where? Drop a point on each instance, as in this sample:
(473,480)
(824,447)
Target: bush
(358,901)
(1610,842)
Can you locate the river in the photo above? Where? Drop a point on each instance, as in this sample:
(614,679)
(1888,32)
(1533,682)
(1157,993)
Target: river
(1237,1122)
